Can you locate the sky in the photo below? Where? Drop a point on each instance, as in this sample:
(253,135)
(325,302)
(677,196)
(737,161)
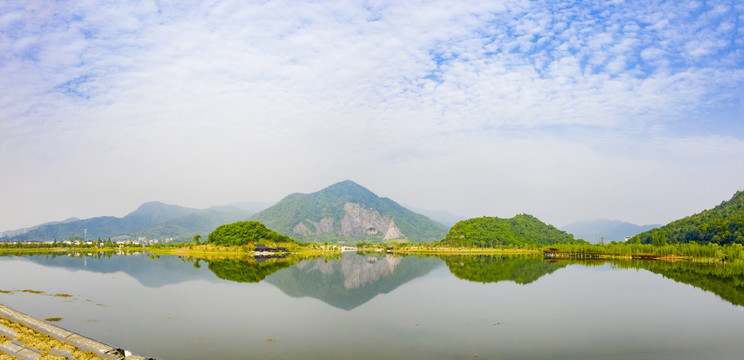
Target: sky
(566,110)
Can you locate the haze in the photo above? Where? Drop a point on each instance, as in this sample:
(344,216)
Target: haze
(629,110)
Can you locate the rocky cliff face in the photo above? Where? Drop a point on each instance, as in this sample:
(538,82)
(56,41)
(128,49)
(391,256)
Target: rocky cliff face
(393,232)
(323,226)
(357,220)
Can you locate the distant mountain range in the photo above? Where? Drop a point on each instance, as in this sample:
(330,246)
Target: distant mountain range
(154,220)
(10,233)
(594,231)
(443,217)
(343,211)
(347,211)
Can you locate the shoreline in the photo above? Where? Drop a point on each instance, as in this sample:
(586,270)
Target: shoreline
(211,251)
(25,337)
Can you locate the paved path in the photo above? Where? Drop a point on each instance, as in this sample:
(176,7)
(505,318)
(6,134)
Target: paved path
(18,349)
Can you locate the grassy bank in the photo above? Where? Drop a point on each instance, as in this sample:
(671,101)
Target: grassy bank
(710,253)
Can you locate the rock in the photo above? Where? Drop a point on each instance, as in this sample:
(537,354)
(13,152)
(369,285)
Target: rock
(300,228)
(393,232)
(357,220)
(325,225)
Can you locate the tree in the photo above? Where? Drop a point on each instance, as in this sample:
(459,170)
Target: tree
(244,232)
(197,237)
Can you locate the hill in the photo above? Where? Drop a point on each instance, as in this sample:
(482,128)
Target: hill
(245,232)
(520,230)
(724,224)
(154,220)
(347,211)
(611,230)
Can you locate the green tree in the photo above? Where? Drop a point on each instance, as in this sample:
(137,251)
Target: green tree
(197,237)
(244,232)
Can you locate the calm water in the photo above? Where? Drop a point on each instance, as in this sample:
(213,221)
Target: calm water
(382,307)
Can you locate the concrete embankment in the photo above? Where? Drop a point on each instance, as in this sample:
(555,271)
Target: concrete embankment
(28,338)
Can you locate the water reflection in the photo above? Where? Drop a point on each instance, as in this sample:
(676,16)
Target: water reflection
(494,268)
(248,270)
(351,280)
(149,270)
(723,280)
(473,307)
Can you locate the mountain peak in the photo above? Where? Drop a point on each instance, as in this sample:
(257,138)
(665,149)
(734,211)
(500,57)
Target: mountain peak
(156,211)
(346,187)
(349,191)
(343,210)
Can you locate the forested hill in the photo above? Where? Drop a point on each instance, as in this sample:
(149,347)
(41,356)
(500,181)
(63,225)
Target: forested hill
(347,211)
(522,229)
(723,224)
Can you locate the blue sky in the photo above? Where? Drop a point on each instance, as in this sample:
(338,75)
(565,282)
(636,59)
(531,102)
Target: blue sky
(630,110)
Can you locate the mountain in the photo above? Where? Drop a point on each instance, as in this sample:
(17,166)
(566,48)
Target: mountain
(522,229)
(201,222)
(724,224)
(10,233)
(611,230)
(347,211)
(154,220)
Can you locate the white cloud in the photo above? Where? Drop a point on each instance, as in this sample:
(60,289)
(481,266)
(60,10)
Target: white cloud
(312,91)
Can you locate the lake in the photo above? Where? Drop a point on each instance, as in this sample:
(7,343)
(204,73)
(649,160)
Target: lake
(383,306)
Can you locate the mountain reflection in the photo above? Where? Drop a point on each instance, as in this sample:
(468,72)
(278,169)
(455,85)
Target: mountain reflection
(494,268)
(352,280)
(252,271)
(726,281)
(149,270)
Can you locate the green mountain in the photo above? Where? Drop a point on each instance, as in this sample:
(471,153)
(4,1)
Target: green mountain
(154,220)
(522,229)
(347,211)
(724,224)
(611,230)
